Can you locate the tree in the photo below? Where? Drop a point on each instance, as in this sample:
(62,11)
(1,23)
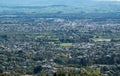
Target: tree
(37,69)
(1,69)
(91,72)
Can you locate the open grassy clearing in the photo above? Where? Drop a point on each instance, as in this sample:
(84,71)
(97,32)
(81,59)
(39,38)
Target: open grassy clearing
(66,44)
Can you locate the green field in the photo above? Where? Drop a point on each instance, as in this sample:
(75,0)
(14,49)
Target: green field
(66,44)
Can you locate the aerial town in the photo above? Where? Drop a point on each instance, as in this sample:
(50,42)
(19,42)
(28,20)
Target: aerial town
(56,44)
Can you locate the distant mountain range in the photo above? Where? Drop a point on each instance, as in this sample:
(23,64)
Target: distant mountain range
(61,9)
(59,6)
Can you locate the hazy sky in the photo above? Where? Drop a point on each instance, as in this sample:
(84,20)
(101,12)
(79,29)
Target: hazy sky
(108,0)
(41,2)
(47,2)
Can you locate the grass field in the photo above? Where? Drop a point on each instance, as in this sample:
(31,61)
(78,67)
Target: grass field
(66,44)
(101,39)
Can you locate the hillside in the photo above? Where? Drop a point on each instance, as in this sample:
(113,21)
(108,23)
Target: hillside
(101,7)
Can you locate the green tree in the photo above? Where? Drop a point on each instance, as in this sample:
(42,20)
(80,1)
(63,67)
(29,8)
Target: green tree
(37,69)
